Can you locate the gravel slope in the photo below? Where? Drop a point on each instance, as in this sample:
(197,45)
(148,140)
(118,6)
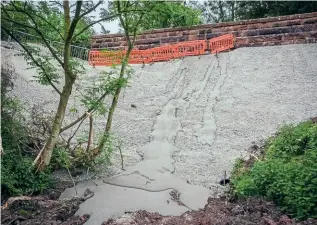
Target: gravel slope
(219,105)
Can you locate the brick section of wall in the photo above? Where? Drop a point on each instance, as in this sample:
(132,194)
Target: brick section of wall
(293,29)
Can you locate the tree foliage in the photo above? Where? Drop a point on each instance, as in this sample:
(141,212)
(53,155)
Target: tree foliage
(223,11)
(259,9)
(216,11)
(67,20)
(165,14)
(44,19)
(47,16)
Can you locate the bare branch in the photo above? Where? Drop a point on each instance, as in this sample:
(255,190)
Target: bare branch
(119,147)
(90,110)
(74,22)
(71,137)
(58,3)
(90,137)
(90,10)
(93,23)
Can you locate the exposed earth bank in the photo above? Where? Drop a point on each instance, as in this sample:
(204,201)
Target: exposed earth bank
(216,212)
(44,210)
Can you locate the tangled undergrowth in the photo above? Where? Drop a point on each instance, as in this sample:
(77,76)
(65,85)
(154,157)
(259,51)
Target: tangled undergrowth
(17,174)
(22,140)
(286,173)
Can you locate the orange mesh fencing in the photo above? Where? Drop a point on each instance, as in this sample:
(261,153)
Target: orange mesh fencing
(105,58)
(139,57)
(190,48)
(221,43)
(163,53)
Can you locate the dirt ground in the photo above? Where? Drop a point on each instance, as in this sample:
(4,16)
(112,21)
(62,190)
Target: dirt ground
(253,211)
(44,209)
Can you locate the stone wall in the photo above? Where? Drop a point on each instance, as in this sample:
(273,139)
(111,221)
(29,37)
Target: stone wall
(293,29)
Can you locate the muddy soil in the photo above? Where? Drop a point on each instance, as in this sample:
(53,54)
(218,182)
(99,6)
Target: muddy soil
(44,209)
(253,211)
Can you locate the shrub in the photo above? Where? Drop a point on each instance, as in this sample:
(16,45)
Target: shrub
(17,174)
(287,174)
(89,159)
(60,158)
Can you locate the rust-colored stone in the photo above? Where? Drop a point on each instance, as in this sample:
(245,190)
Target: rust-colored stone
(164,35)
(191,37)
(151,36)
(147,41)
(265,31)
(172,34)
(201,37)
(213,35)
(310,21)
(202,32)
(169,39)
(193,32)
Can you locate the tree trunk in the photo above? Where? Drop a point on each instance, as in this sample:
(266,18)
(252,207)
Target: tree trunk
(44,159)
(113,106)
(221,12)
(1,149)
(233,10)
(112,109)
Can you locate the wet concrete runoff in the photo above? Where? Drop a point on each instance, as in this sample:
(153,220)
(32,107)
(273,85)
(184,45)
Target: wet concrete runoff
(193,118)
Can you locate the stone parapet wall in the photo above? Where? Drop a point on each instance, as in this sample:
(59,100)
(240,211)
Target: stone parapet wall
(292,29)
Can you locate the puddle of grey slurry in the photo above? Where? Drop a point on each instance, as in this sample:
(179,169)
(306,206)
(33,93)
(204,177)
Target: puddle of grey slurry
(112,201)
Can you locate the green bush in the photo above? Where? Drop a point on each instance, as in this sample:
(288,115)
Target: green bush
(17,174)
(60,158)
(89,159)
(18,177)
(287,174)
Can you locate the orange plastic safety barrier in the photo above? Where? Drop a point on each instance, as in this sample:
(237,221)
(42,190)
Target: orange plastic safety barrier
(190,48)
(105,58)
(221,43)
(139,57)
(163,53)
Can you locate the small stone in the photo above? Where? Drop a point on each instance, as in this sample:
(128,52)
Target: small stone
(88,193)
(238,210)
(147,220)
(188,218)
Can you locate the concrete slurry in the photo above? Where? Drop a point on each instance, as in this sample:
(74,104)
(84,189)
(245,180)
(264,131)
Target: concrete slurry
(193,118)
